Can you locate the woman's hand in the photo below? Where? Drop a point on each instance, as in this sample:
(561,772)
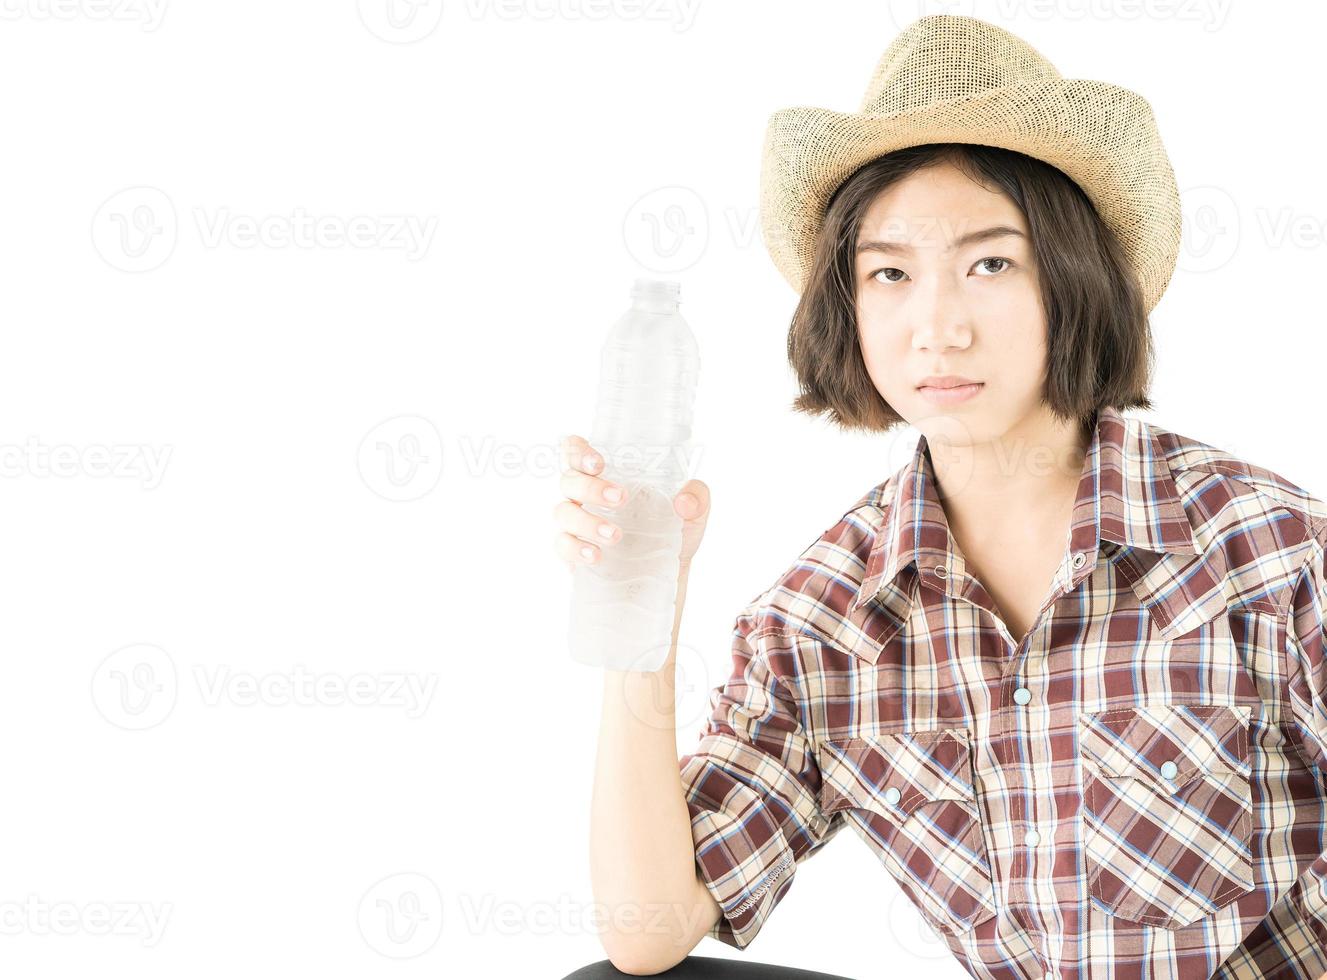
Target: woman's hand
(579,540)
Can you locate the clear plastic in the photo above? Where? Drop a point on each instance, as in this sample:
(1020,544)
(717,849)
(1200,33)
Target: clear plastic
(623,605)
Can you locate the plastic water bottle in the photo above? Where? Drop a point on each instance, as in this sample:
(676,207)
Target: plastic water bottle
(623,605)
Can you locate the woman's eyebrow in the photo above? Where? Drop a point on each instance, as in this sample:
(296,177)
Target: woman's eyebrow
(981,235)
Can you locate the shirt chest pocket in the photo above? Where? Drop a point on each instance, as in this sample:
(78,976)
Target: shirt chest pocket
(1167,811)
(913,794)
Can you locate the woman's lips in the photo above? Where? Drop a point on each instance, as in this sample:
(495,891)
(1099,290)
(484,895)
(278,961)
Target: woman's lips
(951,396)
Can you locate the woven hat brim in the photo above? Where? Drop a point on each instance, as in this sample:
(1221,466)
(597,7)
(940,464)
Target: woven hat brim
(1102,136)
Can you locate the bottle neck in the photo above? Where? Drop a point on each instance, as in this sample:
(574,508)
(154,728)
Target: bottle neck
(651,304)
(655,296)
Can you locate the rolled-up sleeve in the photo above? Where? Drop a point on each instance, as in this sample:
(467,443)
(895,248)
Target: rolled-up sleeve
(1291,940)
(1306,654)
(751,786)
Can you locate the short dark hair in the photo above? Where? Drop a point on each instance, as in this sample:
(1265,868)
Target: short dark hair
(1099,343)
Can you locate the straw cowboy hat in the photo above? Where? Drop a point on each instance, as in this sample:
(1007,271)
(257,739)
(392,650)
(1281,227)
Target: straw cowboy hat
(949,78)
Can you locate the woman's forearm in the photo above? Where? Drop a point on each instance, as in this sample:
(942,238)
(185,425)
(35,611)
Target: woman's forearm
(642,857)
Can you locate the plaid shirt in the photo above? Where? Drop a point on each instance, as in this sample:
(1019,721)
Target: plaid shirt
(1137,789)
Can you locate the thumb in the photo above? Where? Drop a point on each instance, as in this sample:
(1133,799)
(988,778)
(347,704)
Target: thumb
(693,500)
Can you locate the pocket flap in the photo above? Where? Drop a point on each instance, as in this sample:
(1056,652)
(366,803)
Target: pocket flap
(1168,744)
(893,774)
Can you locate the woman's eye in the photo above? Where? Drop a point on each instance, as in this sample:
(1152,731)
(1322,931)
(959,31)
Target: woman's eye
(876,275)
(895,275)
(981,263)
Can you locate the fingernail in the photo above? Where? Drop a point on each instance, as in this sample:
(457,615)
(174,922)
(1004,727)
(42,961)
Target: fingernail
(605,530)
(587,552)
(591,462)
(613,494)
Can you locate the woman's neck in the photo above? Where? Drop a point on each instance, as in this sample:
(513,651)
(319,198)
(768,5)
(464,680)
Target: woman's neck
(1030,471)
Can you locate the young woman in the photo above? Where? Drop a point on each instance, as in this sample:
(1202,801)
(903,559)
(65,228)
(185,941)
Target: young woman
(1065,671)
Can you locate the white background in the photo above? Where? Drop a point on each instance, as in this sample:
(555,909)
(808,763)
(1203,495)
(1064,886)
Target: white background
(233,464)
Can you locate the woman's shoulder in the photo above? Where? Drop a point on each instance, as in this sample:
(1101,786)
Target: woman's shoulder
(814,594)
(1209,477)
(843,548)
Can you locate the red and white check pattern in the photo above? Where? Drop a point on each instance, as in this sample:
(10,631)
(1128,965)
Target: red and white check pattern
(1138,789)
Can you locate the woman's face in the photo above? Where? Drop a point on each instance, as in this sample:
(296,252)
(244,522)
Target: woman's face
(932,301)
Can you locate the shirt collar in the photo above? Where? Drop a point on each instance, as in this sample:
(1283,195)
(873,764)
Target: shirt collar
(1126,495)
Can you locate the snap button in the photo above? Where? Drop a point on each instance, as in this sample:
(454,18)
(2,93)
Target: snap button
(1080,560)
(1022,696)
(941,571)
(892,795)
(1032,838)
(1169,770)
